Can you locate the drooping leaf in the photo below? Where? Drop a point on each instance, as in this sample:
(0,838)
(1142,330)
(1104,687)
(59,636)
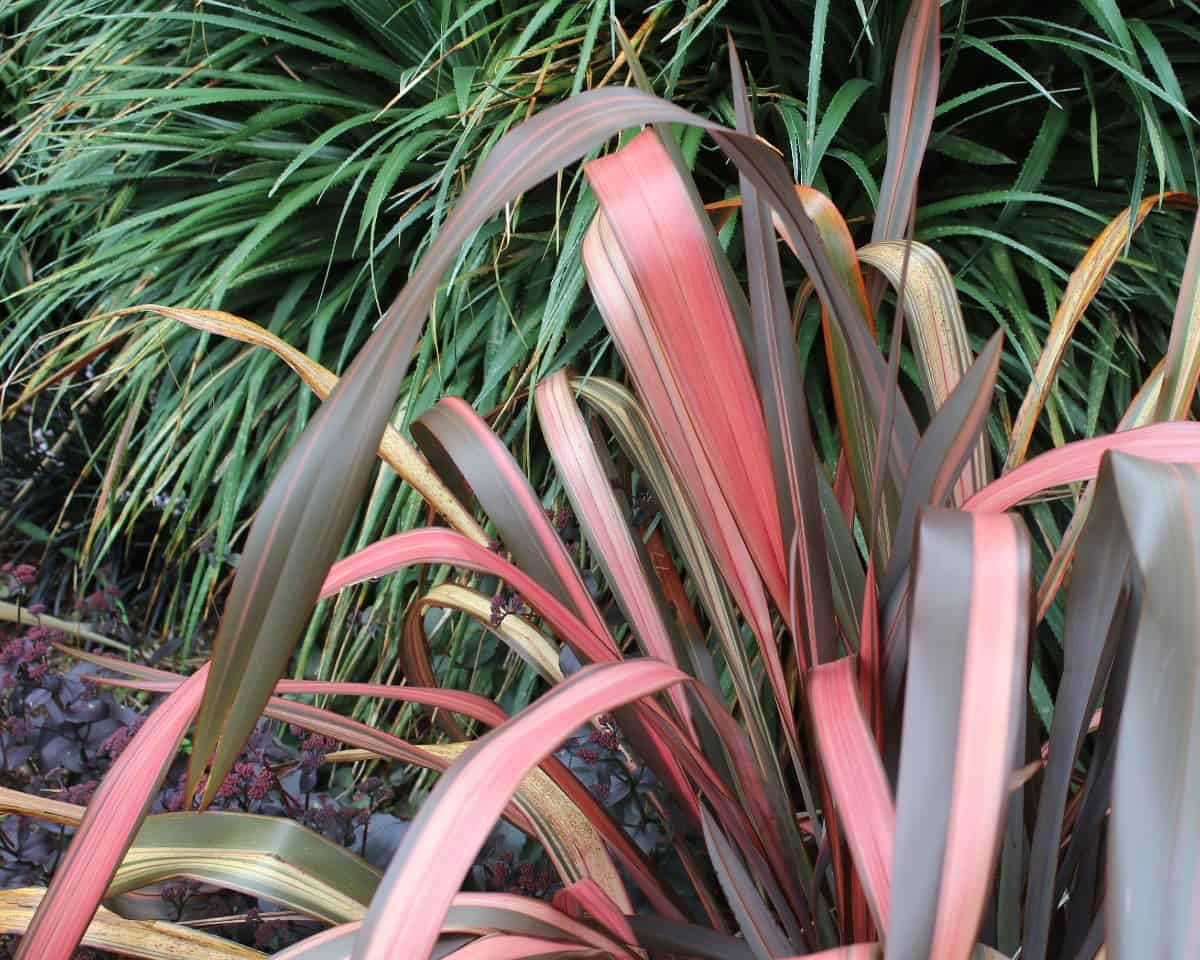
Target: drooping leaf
(470,913)
(518,947)
(269,857)
(517,633)
(551,803)
(1139,413)
(394,449)
(1085,282)
(1166,442)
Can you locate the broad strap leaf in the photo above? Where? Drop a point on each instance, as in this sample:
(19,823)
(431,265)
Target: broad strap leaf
(687,340)
(270,857)
(964,701)
(605,523)
(518,947)
(453,433)
(1154,840)
(949,442)
(910,117)
(1139,413)
(944,450)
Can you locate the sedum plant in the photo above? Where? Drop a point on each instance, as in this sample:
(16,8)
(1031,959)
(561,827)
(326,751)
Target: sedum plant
(827,667)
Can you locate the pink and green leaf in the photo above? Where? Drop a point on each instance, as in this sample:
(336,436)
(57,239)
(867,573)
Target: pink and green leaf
(655,280)
(915,79)
(117,810)
(455,436)
(964,703)
(850,759)
(587,897)
(1177,442)
(586,482)
(857,372)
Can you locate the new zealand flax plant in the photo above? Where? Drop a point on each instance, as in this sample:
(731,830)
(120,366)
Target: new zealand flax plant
(827,666)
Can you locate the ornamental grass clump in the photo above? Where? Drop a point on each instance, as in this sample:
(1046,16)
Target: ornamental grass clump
(861,743)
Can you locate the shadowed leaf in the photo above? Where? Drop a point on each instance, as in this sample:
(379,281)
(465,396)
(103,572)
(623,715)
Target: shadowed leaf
(1155,843)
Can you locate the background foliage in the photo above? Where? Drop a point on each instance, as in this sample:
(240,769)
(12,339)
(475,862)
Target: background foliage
(289,162)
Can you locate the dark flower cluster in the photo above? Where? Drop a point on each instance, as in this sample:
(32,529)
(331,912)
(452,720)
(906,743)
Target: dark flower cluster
(562,517)
(53,728)
(505,874)
(16,579)
(507,603)
(596,758)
